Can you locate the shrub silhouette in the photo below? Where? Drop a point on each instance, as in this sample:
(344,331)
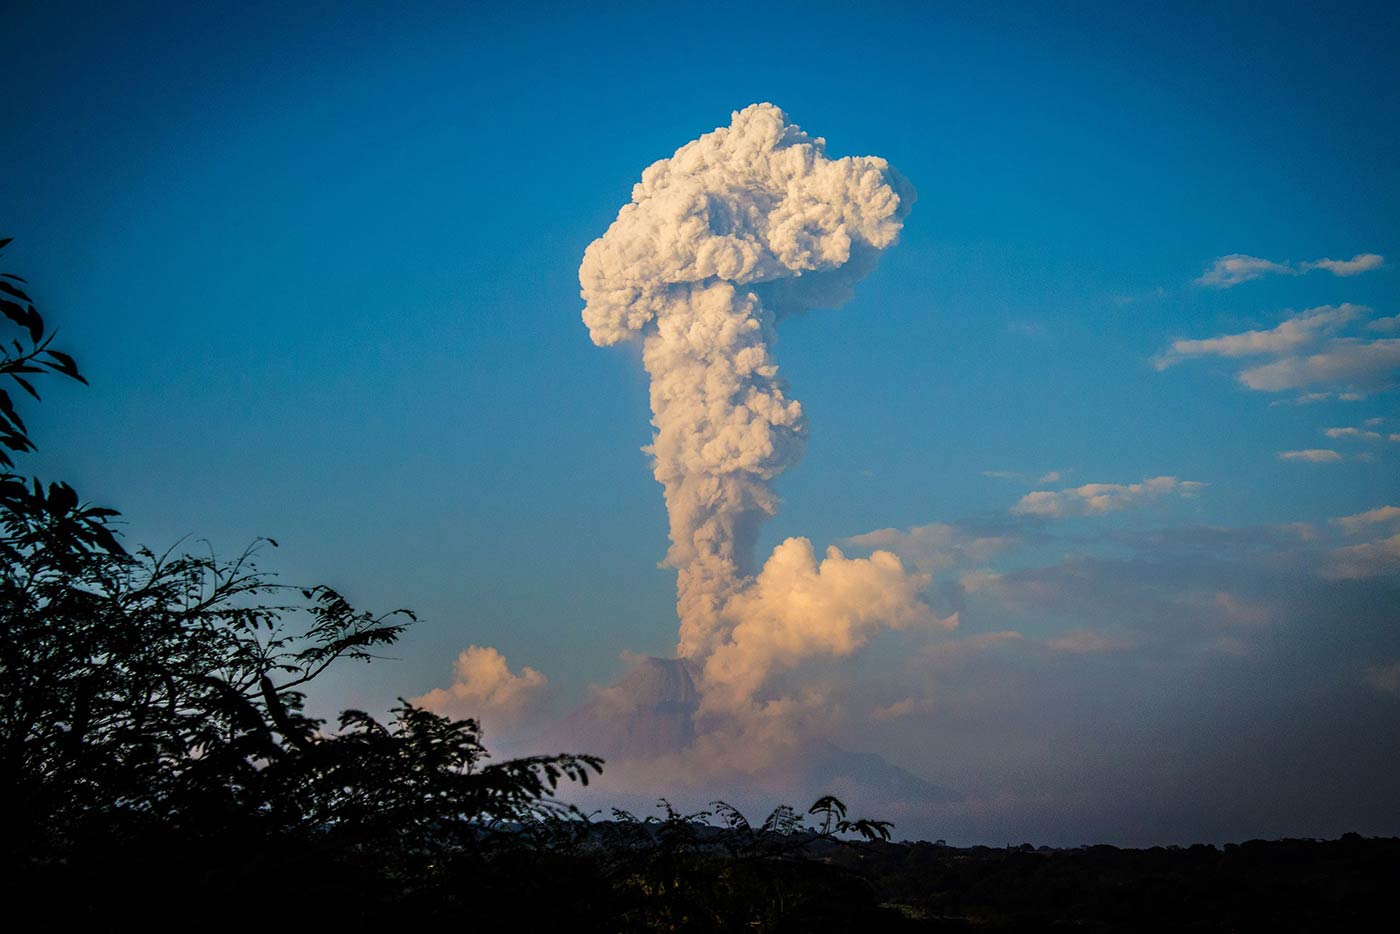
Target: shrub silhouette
(147,699)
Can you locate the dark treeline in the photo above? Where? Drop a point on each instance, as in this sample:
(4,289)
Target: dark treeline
(157,768)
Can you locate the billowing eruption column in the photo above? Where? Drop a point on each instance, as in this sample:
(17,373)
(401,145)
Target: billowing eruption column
(738,229)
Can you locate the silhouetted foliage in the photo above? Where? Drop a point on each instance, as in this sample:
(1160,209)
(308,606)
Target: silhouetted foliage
(147,696)
(154,747)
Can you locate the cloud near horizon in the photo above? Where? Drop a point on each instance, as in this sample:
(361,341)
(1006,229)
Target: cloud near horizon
(1383,678)
(484,687)
(1361,521)
(1379,557)
(1368,559)
(1093,499)
(937,546)
(1087,641)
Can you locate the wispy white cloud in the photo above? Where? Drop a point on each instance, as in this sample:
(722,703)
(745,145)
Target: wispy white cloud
(1368,559)
(1294,332)
(1361,262)
(1236,610)
(1361,521)
(1093,499)
(1347,361)
(1229,271)
(1031,329)
(948,653)
(937,546)
(1132,299)
(1050,476)
(1375,558)
(1307,353)
(1353,433)
(1312,398)
(903,708)
(1311,456)
(1085,641)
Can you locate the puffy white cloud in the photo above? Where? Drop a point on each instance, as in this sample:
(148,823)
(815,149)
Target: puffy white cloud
(1361,521)
(1361,262)
(1311,456)
(1098,498)
(1384,325)
(798,608)
(484,687)
(1228,271)
(736,230)
(1292,333)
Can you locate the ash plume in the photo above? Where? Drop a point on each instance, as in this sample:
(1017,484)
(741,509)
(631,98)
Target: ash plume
(740,228)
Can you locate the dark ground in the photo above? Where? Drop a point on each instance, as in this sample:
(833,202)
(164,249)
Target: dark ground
(1281,885)
(637,878)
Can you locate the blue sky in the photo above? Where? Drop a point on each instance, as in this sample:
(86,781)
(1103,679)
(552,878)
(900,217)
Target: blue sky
(320,266)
